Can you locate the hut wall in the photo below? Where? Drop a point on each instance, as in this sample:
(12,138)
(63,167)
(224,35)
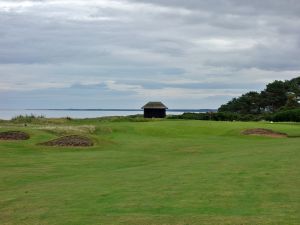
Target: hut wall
(154,113)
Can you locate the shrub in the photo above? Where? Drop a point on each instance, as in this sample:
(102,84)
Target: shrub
(220,116)
(287,116)
(174,117)
(26,118)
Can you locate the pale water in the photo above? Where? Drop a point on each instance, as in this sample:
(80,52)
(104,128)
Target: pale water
(7,114)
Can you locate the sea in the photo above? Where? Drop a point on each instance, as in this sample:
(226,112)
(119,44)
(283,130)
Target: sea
(7,114)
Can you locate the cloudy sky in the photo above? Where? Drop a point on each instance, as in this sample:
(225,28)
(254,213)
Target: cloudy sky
(123,53)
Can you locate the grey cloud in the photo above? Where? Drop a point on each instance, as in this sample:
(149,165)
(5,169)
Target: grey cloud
(153,43)
(197,85)
(236,6)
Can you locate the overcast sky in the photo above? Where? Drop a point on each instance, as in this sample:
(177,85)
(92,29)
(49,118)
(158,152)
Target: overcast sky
(121,54)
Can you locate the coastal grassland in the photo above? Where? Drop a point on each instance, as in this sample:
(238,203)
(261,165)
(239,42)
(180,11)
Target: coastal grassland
(150,172)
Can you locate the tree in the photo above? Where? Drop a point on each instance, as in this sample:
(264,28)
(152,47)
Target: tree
(276,96)
(248,103)
(292,101)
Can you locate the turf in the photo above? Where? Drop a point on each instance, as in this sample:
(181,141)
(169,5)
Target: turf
(158,172)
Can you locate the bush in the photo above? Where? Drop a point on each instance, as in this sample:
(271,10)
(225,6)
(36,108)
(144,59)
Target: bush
(174,117)
(26,118)
(130,118)
(220,116)
(287,116)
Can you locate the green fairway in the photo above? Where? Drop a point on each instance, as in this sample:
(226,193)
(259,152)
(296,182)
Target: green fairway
(158,172)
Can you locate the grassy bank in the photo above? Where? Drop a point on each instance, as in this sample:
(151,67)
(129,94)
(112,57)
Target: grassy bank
(150,172)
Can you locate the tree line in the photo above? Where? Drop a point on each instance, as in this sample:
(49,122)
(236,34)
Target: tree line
(277,96)
(279,101)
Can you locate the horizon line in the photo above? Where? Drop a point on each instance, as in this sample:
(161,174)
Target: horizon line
(106,109)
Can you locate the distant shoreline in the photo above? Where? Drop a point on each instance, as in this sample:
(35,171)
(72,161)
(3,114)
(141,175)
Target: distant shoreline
(86,113)
(129,110)
(116,110)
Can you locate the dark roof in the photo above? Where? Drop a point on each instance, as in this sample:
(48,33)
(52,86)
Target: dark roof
(154,105)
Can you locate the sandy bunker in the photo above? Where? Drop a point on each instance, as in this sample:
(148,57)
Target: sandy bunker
(264,132)
(71,141)
(14,135)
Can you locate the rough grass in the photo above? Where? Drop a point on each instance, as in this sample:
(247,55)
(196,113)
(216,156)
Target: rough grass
(159,172)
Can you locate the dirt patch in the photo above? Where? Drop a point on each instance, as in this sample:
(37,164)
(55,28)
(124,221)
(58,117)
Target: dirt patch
(70,141)
(264,132)
(14,135)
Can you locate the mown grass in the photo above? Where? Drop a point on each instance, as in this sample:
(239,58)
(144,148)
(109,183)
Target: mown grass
(154,172)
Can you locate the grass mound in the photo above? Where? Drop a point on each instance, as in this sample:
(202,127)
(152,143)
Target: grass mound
(14,135)
(264,132)
(70,141)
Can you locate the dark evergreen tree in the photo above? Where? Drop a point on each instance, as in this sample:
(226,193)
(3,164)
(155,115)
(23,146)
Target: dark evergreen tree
(277,95)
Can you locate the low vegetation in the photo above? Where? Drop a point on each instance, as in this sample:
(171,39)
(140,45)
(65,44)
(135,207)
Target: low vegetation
(286,115)
(156,172)
(281,116)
